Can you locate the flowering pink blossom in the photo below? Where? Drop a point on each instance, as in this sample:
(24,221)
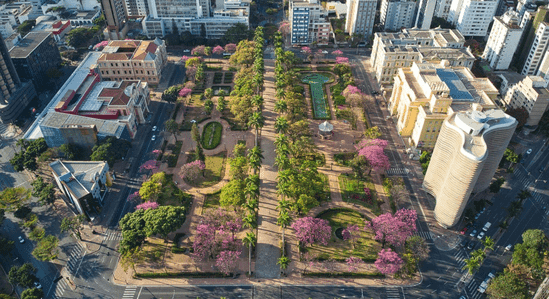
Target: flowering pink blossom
(394,229)
(350,89)
(341,60)
(354,262)
(203,241)
(309,230)
(351,233)
(231,48)
(226,261)
(191,170)
(101,44)
(198,51)
(337,52)
(149,165)
(133,196)
(185,92)
(373,151)
(388,262)
(184,58)
(284,27)
(218,50)
(306,50)
(147,205)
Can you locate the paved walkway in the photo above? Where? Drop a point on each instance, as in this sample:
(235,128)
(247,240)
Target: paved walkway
(268,237)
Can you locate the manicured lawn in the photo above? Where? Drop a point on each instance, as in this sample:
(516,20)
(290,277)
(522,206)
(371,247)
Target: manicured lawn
(211,135)
(352,190)
(173,196)
(218,78)
(228,79)
(214,172)
(211,201)
(366,247)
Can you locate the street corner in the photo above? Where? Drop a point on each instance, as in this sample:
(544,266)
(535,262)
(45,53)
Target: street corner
(445,241)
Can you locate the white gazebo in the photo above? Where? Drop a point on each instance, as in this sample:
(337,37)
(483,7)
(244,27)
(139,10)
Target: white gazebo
(325,129)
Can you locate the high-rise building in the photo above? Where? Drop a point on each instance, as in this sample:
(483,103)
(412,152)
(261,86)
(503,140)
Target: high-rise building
(537,49)
(392,51)
(15,95)
(469,148)
(360,17)
(34,56)
(472,17)
(425,94)
(308,22)
(531,94)
(425,12)
(503,41)
(137,8)
(115,15)
(397,14)
(442,9)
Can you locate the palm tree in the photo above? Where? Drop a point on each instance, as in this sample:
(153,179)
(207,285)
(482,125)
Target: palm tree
(257,121)
(251,204)
(283,261)
(249,241)
(255,156)
(280,93)
(257,101)
(524,194)
(249,221)
(478,254)
(471,265)
(281,106)
(281,124)
(281,140)
(251,190)
(257,80)
(281,161)
(283,221)
(488,243)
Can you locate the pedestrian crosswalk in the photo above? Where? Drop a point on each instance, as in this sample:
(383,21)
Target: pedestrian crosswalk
(398,171)
(393,293)
(74,258)
(522,176)
(424,235)
(113,235)
(461,256)
(60,288)
(538,197)
(129,292)
(472,289)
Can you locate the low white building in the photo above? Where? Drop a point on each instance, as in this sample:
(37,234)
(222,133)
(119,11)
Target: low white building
(85,17)
(82,181)
(503,41)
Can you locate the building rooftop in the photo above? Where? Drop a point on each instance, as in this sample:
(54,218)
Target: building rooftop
(104,127)
(28,44)
(79,176)
(458,91)
(128,50)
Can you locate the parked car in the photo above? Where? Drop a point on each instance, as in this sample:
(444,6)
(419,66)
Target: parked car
(464,243)
(154,128)
(463,231)
(186,51)
(473,233)
(480,235)
(529,151)
(471,245)
(153,138)
(492,274)
(476,216)
(37,285)
(487,226)
(21,240)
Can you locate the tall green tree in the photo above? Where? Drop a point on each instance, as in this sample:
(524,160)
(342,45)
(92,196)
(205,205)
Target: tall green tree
(195,133)
(173,127)
(507,285)
(255,156)
(283,262)
(471,265)
(45,192)
(12,199)
(164,220)
(232,194)
(283,221)
(281,125)
(488,243)
(23,276)
(46,250)
(256,121)
(73,224)
(249,241)
(32,293)
(6,246)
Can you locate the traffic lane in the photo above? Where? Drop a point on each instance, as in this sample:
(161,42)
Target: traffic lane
(530,218)
(194,292)
(330,292)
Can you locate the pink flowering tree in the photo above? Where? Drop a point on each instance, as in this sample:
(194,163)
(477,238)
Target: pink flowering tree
(354,263)
(218,50)
(393,229)
(226,261)
(337,53)
(101,45)
(204,241)
(185,92)
(198,51)
(184,58)
(351,234)
(216,233)
(373,151)
(342,60)
(147,205)
(231,48)
(190,85)
(306,50)
(284,27)
(309,230)
(388,262)
(134,196)
(350,90)
(156,152)
(191,171)
(149,165)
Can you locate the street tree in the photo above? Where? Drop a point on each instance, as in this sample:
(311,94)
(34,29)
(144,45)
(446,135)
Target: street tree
(173,127)
(163,220)
(283,262)
(281,125)
(249,241)
(256,121)
(373,151)
(507,285)
(372,133)
(388,262)
(195,133)
(283,221)
(46,250)
(23,276)
(488,243)
(45,192)
(471,265)
(418,247)
(12,199)
(32,293)
(394,229)
(73,224)
(6,246)
(255,156)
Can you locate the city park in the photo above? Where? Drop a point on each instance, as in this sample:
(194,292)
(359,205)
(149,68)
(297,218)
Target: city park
(198,207)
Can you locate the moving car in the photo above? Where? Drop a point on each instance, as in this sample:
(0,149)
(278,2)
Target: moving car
(509,247)
(37,285)
(471,245)
(473,233)
(529,151)
(481,235)
(186,51)
(153,138)
(484,285)
(154,128)
(463,231)
(487,226)
(21,240)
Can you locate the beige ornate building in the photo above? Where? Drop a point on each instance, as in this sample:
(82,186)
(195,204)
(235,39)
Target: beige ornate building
(467,153)
(425,94)
(133,60)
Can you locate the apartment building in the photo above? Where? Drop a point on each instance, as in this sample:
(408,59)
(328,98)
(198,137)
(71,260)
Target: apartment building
(137,8)
(442,8)
(115,15)
(426,93)
(467,153)
(472,17)
(537,50)
(503,41)
(360,17)
(425,12)
(308,22)
(15,93)
(530,93)
(396,14)
(34,56)
(392,51)
(133,60)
